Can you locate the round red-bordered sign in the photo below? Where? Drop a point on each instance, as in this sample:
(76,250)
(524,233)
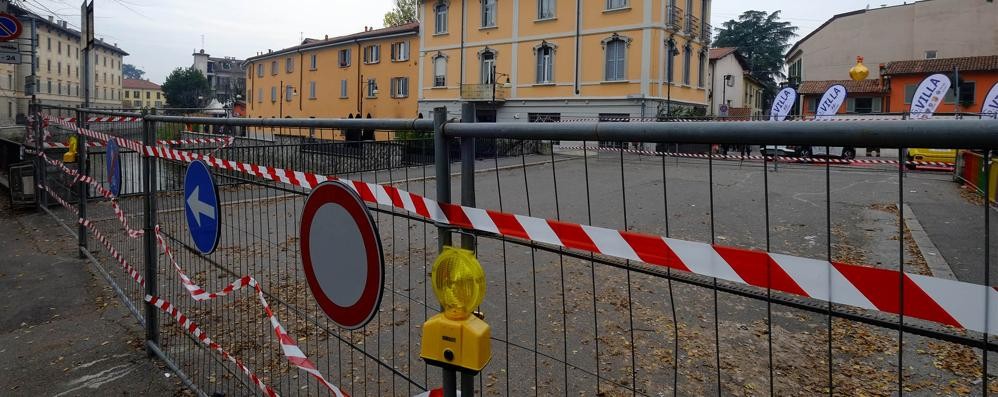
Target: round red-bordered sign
(10,27)
(341,255)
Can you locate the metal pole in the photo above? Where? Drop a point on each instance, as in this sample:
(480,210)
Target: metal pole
(40,146)
(468,169)
(449,382)
(441,157)
(467,383)
(83,188)
(151,253)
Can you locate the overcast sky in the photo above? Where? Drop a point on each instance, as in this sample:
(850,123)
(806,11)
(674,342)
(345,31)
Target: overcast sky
(161,35)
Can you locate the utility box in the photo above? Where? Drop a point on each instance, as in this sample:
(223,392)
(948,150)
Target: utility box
(22,184)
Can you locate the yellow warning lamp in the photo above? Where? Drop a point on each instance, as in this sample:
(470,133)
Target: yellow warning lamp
(457,338)
(70,155)
(859,72)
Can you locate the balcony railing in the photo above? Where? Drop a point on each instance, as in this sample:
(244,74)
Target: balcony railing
(692,26)
(706,33)
(484,92)
(675,18)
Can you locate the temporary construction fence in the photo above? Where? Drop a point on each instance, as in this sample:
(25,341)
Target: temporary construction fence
(609,272)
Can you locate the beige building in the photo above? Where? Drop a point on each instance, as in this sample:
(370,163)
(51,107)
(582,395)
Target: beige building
(925,29)
(732,85)
(58,61)
(141,94)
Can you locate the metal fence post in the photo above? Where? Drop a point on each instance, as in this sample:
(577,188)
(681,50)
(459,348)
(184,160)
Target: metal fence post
(151,252)
(42,196)
(441,158)
(83,188)
(468,170)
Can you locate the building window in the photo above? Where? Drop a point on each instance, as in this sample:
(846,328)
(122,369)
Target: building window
(289,65)
(687,56)
(273,94)
(400,87)
(313,61)
(702,73)
(545,9)
(616,50)
(49,39)
(930,54)
(48,65)
(259,95)
(400,51)
(259,70)
(488,58)
(488,13)
(59,87)
(273,68)
(126,94)
(343,89)
(440,18)
(311,90)
(545,64)
(58,68)
(289,93)
(344,58)
(616,4)
(148,95)
(439,71)
(59,46)
(967,91)
(863,105)
(372,53)
(372,88)
(135,93)
(50,86)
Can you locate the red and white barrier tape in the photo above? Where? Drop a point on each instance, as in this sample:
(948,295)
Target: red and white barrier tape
(289,346)
(225,141)
(96,119)
(134,274)
(948,302)
(819,160)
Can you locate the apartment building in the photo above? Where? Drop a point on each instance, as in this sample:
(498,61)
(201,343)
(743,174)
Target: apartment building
(366,74)
(142,94)
(58,63)
(926,29)
(551,59)
(226,76)
(733,91)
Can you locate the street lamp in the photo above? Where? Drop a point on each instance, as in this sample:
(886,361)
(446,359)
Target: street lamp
(507,84)
(671,51)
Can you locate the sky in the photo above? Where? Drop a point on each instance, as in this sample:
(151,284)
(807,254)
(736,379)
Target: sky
(161,35)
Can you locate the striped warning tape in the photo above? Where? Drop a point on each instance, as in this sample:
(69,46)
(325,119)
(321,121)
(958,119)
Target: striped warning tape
(97,119)
(953,303)
(134,274)
(289,346)
(225,141)
(753,157)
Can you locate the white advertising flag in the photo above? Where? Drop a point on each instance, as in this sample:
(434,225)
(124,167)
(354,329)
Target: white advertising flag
(928,96)
(782,104)
(830,102)
(990,108)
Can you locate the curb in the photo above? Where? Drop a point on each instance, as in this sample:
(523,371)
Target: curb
(937,264)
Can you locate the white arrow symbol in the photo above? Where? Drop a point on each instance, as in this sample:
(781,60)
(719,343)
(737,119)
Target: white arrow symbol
(199,207)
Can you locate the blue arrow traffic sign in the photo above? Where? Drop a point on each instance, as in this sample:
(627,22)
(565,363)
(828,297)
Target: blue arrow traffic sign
(10,27)
(112,162)
(202,206)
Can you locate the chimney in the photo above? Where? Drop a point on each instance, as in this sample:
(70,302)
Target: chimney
(51,18)
(327,37)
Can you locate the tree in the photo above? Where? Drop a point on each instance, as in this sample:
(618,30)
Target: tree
(183,87)
(129,71)
(403,13)
(763,39)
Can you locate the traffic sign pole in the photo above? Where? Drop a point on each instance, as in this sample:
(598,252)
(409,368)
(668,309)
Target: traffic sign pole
(151,252)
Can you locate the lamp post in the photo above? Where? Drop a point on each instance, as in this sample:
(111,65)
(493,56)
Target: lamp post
(672,52)
(493,76)
(728,80)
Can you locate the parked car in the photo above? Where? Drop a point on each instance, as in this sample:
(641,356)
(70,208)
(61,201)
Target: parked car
(778,150)
(845,153)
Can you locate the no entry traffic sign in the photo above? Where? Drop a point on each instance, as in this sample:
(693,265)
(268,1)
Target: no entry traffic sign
(201,204)
(112,162)
(341,255)
(10,27)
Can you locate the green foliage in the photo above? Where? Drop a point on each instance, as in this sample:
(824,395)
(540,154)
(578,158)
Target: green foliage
(169,131)
(403,13)
(412,135)
(763,39)
(129,71)
(183,86)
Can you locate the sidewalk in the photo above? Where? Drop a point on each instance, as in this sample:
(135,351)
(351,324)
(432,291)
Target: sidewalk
(62,330)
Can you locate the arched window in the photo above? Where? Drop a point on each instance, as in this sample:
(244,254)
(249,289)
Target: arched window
(488,58)
(615,65)
(545,63)
(687,55)
(439,71)
(440,19)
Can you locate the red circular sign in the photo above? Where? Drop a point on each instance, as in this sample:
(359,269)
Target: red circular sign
(10,27)
(341,255)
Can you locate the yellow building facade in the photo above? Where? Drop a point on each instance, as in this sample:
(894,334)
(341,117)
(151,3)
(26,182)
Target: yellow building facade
(142,94)
(367,74)
(554,59)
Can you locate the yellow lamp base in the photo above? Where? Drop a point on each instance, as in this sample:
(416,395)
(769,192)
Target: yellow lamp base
(463,344)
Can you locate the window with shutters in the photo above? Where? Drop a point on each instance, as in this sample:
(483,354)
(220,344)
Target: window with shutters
(488,13)
(259,70)
(372,88)
(289,65)
(545,9)
(614,67)
(344,58)
(313,61)
(440,18)
(311,90)
(545,64)
(273,68)
(273,94)
(488,59)
(372,53)
(616,4)
(400,51)
(289,93)
(400,87)
(439,71)
(343,89)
